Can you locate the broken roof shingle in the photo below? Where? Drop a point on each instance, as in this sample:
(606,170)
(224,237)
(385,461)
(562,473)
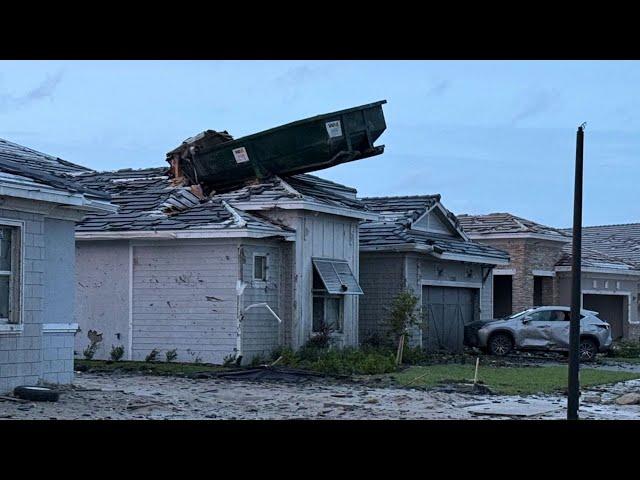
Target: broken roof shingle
(621,241)
(395,229)
(295,187)
(506,223)
(43,169)
(147,200)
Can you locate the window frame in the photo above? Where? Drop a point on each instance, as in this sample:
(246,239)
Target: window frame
(16,275)
(325,296)
(265,268)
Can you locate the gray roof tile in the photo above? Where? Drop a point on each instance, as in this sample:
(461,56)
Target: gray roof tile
(395,229)
(506,223)
(619,241)
(42,168)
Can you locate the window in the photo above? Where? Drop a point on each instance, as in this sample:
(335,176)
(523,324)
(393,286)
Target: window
(260,268)
(9,274)
(327,308)
(332,280)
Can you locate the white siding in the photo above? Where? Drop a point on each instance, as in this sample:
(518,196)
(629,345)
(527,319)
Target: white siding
(261,332)
(327,236)
(173,304)
(102,295)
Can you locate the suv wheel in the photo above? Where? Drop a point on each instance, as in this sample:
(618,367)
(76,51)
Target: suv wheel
(588,350)
(500,344)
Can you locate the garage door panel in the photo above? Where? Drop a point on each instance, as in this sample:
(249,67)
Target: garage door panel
(610,309)
(447,310)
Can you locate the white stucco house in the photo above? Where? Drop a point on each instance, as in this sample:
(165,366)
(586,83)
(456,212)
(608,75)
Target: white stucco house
(39,205)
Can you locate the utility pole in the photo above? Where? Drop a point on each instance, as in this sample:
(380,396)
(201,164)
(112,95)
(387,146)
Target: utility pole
(576,288)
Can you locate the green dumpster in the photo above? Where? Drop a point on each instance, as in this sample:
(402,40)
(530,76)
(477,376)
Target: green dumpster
(217,161)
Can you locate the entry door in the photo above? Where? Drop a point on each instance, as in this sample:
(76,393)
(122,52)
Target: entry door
(610,309)
(447,311)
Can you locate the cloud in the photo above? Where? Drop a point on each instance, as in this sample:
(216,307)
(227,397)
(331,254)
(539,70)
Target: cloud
(535,104)
(45,89)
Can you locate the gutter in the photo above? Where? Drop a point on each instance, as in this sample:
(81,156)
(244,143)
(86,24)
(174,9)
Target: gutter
(181,234)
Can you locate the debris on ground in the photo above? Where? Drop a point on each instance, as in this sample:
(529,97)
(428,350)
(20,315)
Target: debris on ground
(628,399)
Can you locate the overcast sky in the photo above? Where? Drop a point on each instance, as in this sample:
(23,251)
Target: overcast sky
(490,136)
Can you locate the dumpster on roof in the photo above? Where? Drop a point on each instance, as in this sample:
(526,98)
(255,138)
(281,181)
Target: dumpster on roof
(216,160)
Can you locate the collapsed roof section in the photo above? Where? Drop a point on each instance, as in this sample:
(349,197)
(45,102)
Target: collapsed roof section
(218,162)
(399,231)
(300,192)
(149,205)
(149,201)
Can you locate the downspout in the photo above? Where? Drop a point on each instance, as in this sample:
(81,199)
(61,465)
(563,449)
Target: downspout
(240,286)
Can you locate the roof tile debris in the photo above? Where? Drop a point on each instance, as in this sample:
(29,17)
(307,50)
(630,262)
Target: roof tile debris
(296,187)
(43,169)
(506,223)
(149,200)
(399,213)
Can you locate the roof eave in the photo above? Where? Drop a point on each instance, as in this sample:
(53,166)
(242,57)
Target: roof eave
(182,234)
(517,235)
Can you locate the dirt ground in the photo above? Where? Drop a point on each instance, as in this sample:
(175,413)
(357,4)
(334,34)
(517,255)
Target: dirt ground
(131,397)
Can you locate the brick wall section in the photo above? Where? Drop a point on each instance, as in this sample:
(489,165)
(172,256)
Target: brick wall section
(21,353)
(527,255)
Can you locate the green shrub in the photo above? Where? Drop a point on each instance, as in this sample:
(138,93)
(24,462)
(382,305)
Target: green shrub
(153,355)
(90,351)
(171,355)
(339,361)
(116,352)
(625,348)
(229,360)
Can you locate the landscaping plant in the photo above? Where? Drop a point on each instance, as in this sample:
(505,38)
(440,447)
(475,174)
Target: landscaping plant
(402,316)
(153,355)
(171,355)
(116,352)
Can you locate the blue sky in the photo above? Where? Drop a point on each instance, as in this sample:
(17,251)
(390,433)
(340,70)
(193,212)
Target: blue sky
(490,136)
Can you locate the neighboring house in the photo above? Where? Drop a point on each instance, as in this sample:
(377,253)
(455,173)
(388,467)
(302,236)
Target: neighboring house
(39,205)
(621,241)
(176,269)
(418,244)
(539,272)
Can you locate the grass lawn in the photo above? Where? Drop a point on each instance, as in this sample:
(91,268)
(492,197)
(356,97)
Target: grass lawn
(151,368)
(508,380)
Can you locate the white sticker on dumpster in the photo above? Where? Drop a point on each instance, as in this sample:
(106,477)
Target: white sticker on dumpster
(334,129)
(240,154)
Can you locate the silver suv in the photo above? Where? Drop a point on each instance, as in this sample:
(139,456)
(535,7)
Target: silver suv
(541,328)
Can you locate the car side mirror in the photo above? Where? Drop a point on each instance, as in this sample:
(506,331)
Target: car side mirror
(526,319)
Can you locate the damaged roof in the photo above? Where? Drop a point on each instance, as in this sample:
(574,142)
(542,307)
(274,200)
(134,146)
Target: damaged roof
(43,169)
(303,187)
(594,259)
(395,229)
(148,201)
(506,223)
(620,241)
